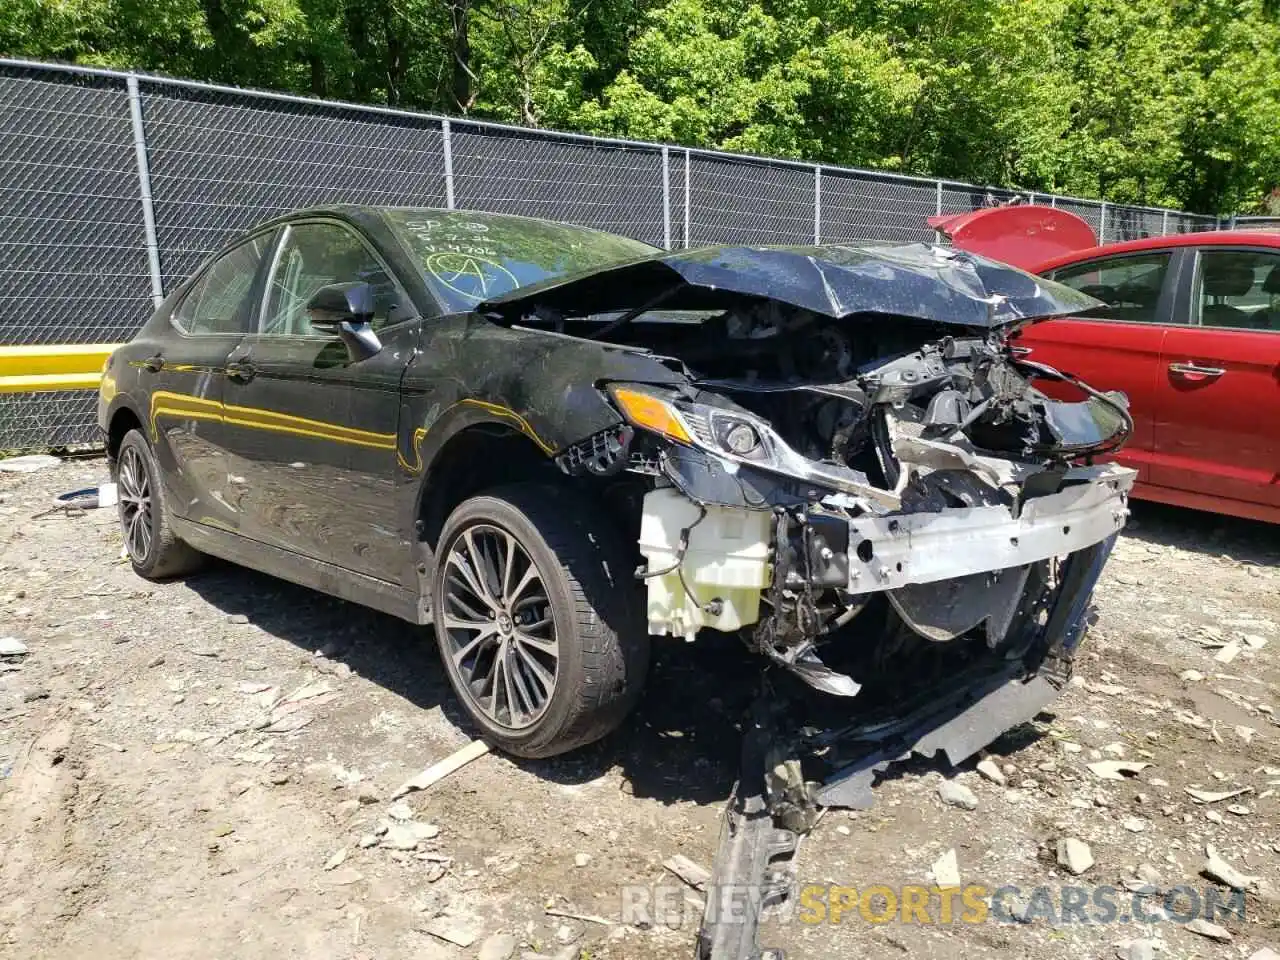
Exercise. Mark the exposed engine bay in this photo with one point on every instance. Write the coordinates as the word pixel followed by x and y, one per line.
pixel 854 473
pixel 852 496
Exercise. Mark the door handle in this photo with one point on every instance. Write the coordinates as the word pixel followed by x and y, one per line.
pixel 241 370
pixel 154 363
pixel 1191 370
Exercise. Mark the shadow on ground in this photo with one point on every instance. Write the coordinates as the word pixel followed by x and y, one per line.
pixel 1249 541
pixel 680 744
pixel 683 741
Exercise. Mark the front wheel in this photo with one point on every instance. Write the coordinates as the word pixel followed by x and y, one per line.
pixel 534 613
pixel 154 549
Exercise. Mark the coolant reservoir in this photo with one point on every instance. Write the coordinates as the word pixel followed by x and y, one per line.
pixel 725 567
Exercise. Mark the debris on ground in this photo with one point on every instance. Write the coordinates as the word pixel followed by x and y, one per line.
pixel 695 875
pixel 12 647
pixel 1210 930
pixel 1074 855
pixel 497 946
pixel 946 870
pixel 1215 868
pixel 451 931
pixel 955 794
pixel 1137 949
pixel 584 917
pixel 1215 796
pixel 438 771
pixel 408 835
pixel 28 463
pixel 308 691
pixel 116 833
pixel 1116 769
pixel 991 771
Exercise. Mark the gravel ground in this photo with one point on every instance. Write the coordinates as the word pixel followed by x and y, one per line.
pixel 204 769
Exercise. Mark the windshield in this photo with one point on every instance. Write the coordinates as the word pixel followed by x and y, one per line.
pixel 468 257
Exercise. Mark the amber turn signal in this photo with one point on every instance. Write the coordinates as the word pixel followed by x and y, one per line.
pixel 651 413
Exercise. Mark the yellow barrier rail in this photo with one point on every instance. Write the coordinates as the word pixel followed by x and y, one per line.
pixel 53 367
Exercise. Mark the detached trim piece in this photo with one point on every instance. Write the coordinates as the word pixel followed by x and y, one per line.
pixel 753 868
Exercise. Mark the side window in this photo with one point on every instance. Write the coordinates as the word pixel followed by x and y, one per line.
pixel 313 255
pixel 219 301
pixel 1129 286
pixel 1238 288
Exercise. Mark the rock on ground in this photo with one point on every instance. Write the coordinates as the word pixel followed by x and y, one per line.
pixel 1210 930
pixel 957 795
pixel 1074 855
pixel 498 946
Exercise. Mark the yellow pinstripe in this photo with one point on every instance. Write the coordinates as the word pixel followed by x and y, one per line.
pixel 186 407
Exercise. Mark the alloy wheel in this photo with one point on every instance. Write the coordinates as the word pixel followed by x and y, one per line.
pixel 134 490
pixel 498 626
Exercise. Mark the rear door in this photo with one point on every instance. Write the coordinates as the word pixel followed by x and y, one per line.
pixel 185 377
pixel 1119 349
pixel 1217 431
pixel 312 435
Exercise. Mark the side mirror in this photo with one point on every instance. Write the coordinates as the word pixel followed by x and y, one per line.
pixel 344 310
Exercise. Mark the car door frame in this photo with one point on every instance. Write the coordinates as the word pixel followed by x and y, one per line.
pixel 202 497
pixel 360 461
pixel 1185 304
pixel 1164 313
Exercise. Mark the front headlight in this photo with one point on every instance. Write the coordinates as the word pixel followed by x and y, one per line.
pixel 741 438
pixel 736 437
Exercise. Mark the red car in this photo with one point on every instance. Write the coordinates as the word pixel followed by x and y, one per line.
pixel 1192 336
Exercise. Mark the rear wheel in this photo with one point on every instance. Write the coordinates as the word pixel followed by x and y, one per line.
pixel 154 549
pixel 534 614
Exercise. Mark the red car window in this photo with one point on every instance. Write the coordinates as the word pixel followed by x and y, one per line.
pixel 1238 289
pixel 1129 285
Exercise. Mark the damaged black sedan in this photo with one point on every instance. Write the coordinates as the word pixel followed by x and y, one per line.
pixel 552 443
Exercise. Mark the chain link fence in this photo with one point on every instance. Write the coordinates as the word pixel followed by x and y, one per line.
pixel 114 187
pixel 1255 223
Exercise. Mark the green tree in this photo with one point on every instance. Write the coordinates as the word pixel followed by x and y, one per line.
pixel 1147 101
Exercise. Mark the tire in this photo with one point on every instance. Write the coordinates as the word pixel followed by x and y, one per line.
pixel 154 549
pixel 582 602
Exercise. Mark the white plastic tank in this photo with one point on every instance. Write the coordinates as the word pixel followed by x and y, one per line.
pixel 725 567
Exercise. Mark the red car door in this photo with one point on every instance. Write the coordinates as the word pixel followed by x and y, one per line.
pixel 1120 349
pixel 1217 426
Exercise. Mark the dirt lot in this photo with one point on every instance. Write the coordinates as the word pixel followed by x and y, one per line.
pixel 154 802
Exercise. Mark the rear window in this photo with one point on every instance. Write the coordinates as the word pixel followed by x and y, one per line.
pixel 468 258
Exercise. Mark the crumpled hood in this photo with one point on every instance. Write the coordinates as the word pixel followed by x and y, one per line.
pixel 932 283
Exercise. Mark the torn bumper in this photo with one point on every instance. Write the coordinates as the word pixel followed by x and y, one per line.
pixel 710 560
pixel 893 551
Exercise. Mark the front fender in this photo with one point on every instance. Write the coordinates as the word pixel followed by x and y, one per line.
pixel 471 370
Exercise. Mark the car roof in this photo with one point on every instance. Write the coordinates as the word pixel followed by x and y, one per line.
pixel 1207 238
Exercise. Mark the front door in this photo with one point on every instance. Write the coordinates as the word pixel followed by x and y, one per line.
pixel 1217 431
pixel 185 378
pixel 312 435
pixel 1119 349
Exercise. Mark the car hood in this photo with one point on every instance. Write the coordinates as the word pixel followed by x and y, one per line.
pixel 931 283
